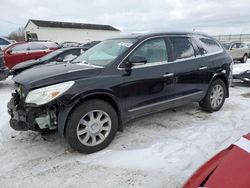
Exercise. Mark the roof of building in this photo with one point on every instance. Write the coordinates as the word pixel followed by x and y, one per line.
pixel 56 24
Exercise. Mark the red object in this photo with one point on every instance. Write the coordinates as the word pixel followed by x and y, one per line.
pixel 23 51
pixel 228 169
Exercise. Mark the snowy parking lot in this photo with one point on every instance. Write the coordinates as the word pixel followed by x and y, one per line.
pixel 160 150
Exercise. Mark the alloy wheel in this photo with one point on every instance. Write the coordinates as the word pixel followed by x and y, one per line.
pixel 93 128
pixel 216 97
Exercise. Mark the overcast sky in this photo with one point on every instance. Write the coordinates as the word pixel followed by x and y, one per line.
pixel 210 16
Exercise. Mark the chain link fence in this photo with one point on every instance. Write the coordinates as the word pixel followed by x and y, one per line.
pixel 233 37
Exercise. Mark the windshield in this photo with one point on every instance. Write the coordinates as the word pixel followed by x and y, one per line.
pixel 50 55
pixel 105 52
pixel 226 45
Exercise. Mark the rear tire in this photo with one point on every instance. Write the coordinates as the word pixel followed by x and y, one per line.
pixel 91 126
pixel 244 59
pixel 215 96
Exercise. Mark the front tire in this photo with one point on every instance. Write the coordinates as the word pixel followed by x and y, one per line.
pixel 91 126
pixel 215 96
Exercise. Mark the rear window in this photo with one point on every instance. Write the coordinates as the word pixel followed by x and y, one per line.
pixel 211 46
pixel 36 46
pixel 183 47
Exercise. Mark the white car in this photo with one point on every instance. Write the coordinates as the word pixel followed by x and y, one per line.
pixel 238 50
pixel 5 42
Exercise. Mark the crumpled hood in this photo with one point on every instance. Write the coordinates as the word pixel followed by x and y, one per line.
pixel 26 64
pixel 48 75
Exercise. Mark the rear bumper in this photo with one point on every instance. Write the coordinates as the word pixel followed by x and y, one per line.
pixel 4 73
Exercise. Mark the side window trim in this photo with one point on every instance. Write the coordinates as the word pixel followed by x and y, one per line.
pixel 170 52
pixel 165 38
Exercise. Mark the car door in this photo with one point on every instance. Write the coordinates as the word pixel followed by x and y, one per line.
pixel 211 61
pixel 188 74
pixel 36 50
pixel 236 51
pixel 15 54
pixel 150 87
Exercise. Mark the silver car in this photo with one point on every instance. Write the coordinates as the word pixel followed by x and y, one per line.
pixel 238 50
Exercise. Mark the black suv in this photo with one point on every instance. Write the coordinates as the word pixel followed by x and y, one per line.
pixel 4 71
pixel 118 80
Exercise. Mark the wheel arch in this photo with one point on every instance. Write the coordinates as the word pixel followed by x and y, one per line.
pixel 224 78
pixel 109 98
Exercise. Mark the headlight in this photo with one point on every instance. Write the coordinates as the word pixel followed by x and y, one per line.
pixel 46 94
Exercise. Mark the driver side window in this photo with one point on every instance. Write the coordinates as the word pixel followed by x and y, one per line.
pixel 154 51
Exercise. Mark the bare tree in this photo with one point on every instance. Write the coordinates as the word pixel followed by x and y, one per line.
pixel 17 35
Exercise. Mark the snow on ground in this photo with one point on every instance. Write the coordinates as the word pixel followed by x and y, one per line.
pixel 240 67
pixel 160 150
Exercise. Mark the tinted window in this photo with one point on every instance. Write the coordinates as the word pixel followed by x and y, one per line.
pixel 20 47
pixel 210 45
pixel 183 47
pixel 69 55
pixel 226 45
pixel 36 46
pixel 154 51
pixel 4 42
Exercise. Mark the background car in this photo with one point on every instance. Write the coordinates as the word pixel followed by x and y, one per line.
pixel 238 50
pixel 90 44
pixel 69 44
pixel 248 45
pixel 5 42
pixel 4 72
pixel 23 51
pixel 60 55
pixel 229 168
pixel 243 76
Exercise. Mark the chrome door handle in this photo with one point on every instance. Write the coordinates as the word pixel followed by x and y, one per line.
pixel 203 68
pixel 168 75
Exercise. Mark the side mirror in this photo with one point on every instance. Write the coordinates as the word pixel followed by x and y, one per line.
pixel 135 61
pixel 9 52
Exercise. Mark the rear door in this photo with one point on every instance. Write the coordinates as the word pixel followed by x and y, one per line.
pixel 212 60
pixel 189 78
pixel 37 50
pixel 15 54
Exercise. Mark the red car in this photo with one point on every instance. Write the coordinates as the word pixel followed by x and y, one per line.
pixel 228 169
pixel 24 51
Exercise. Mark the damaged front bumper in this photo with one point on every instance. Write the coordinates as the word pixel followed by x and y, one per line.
pixel 24 117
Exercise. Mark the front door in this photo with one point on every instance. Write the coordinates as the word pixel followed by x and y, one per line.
pixel 150 87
